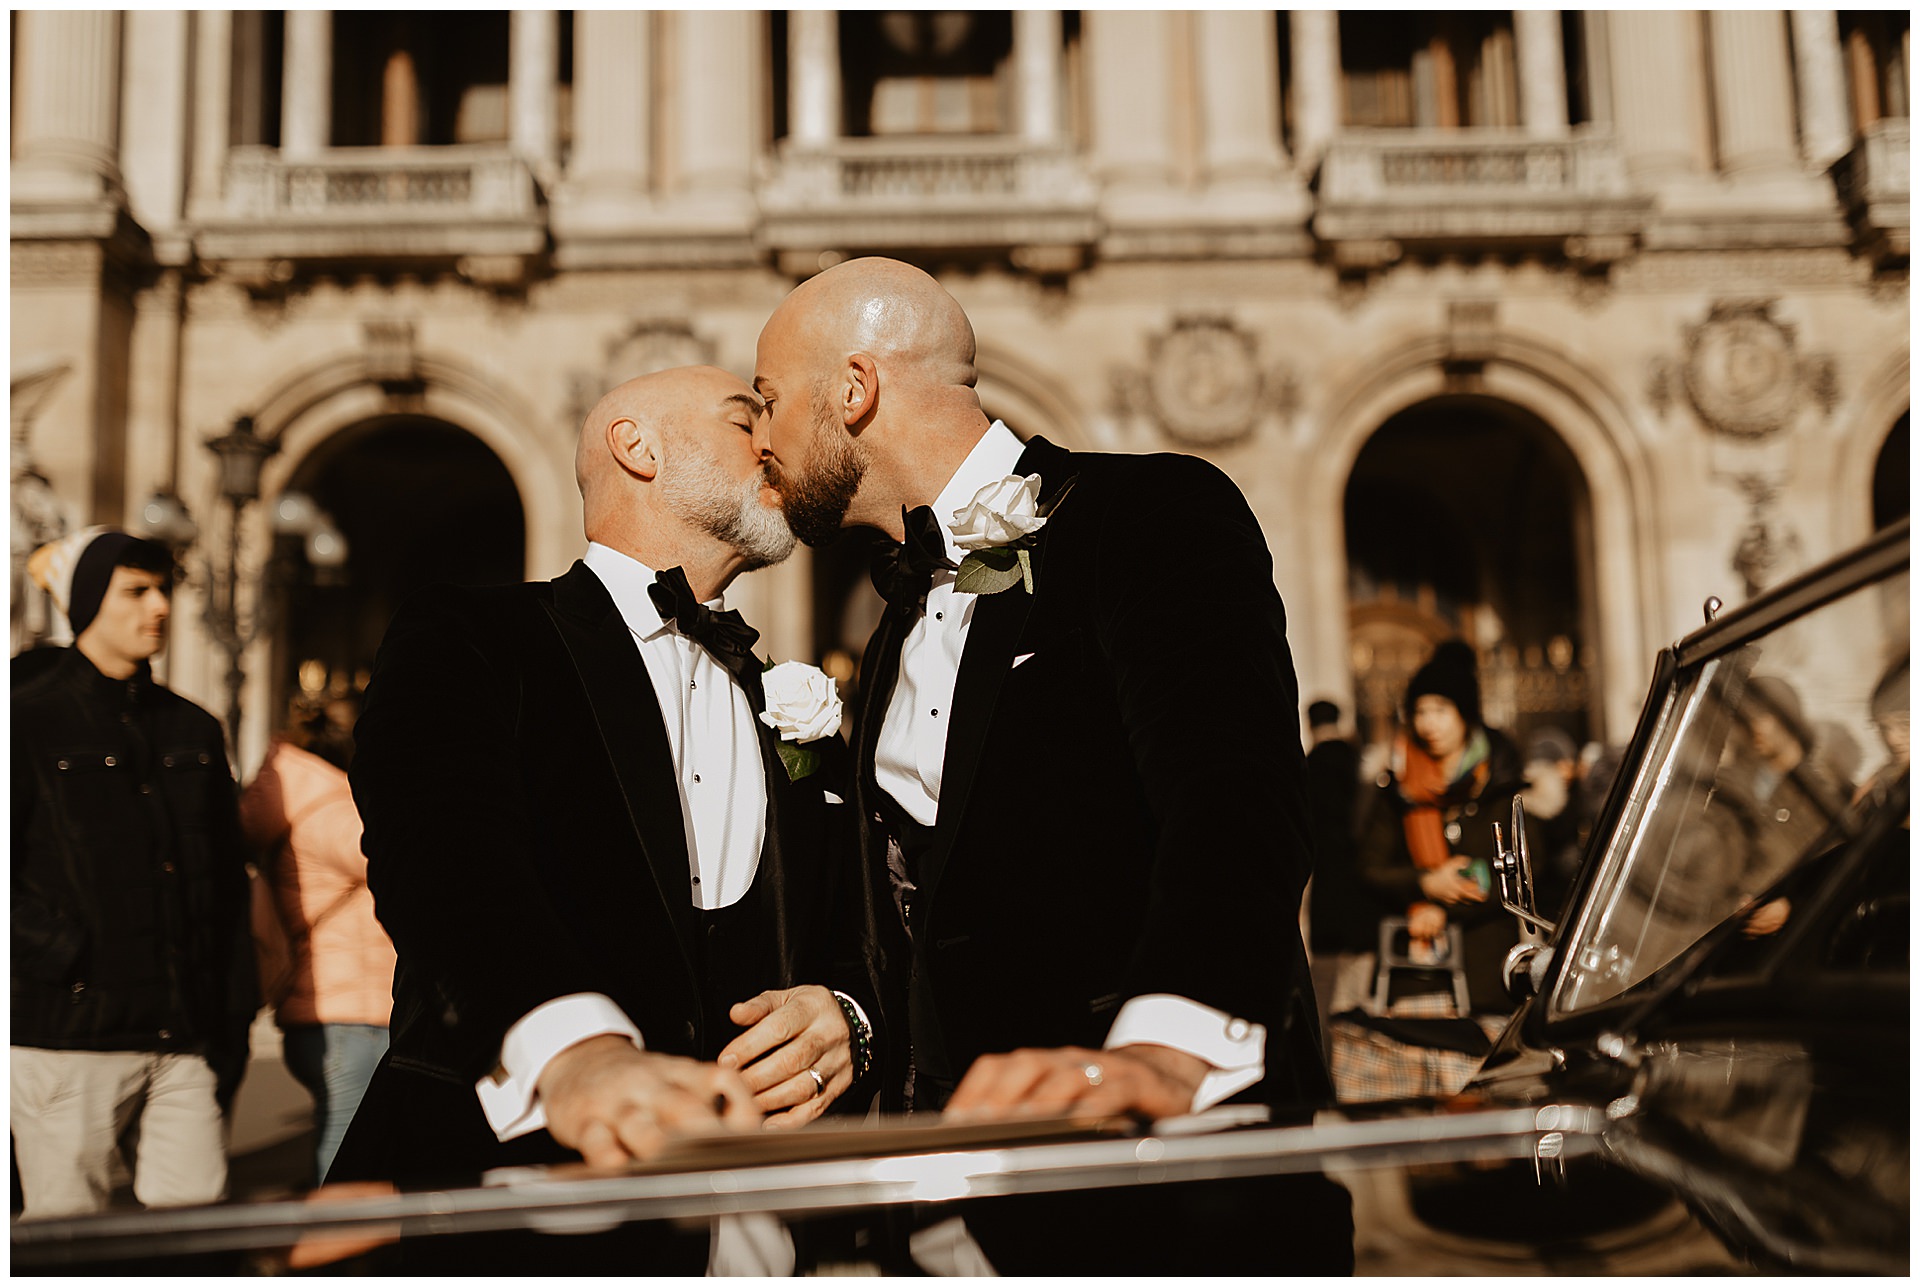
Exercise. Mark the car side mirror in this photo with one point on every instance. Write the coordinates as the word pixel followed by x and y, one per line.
pixel 1513 867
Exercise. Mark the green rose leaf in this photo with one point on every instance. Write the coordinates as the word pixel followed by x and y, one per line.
pixel 989 571
pixel 799 760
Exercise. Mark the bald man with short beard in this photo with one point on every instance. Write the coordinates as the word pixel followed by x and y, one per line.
pixel 1081 789
pixel 615 911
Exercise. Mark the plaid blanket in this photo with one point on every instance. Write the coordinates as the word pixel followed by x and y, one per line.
pixel 1369 1065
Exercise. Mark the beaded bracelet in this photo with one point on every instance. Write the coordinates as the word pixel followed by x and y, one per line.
pixel 860 1035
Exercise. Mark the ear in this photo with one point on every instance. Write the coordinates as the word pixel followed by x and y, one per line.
pixel 860 392
pixel 635 446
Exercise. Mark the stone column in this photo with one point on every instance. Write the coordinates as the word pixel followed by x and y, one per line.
pixel 1825 134
pixel 1036 56
pixel 66 104
pixel 1753 92
pixel 1128 77
pixel 212 106
pixel 1315 37
pixel 306 85
pixel 154 118
pixel 1237 52
pixel 714 133
pixel 1543 72
pixel 814 108
pixel 533 72
pixel 1653 107
pixel 612 100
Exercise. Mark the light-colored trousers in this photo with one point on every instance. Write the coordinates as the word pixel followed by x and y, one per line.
pixel 71 1107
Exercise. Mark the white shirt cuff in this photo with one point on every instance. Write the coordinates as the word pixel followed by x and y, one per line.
pixel 1236 1048
pixel 508 1096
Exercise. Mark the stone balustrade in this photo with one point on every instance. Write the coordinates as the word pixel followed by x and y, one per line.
pixel 925 191
pixel 1464 188
pixel 401 202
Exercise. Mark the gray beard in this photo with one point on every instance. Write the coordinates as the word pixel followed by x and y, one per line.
pixel 697 491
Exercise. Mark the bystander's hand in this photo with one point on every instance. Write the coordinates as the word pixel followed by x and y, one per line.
pixel 1768 918
pixel 1134 1080
pixel 1449 883
pixel 795 1056
pixel 616 1103
pixel 1425 921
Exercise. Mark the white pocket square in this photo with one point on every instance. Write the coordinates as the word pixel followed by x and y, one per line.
pixel 1025 656
pixel 831 798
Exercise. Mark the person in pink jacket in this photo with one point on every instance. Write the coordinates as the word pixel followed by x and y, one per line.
pixel 338 997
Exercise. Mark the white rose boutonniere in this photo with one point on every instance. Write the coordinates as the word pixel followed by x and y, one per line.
pixel 998 529
pixel 802 706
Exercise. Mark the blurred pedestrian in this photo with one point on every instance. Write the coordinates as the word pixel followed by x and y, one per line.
pixel 1891 710
pixel 336 997
pixel 1551 796
pixel 133 974
pixel 1792 796
pixel 1427 844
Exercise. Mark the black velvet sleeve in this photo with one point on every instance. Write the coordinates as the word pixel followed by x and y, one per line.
pixel 451 848
pixel 1194 633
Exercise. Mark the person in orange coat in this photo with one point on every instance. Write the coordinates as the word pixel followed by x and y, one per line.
pixel 338 992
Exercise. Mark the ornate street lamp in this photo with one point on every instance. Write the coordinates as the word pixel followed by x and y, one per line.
pixel 242 453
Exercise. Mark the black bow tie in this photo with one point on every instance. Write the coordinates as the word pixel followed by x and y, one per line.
pixel 724 634
pixel 902 573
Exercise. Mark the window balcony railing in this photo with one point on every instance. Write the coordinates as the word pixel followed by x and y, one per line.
pixel 879 193
pixel 360 203
pixel 1478 188
pixel 1872 181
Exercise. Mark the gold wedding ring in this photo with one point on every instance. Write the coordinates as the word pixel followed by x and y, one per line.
pixel 819 1083
pixel 1094 1075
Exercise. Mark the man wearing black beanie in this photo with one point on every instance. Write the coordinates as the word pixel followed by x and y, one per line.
pixel 133 979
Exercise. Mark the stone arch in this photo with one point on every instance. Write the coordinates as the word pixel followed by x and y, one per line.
pixel 1886 397
pixel 1030 400
pixel 1588 416
pixel 315 405
pixel 309 408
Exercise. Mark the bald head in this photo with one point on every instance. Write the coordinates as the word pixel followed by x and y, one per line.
pixel 661 402
pixel 889 309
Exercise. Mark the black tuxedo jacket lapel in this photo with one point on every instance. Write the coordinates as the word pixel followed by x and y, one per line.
pixel 998 620
pixel 627 712
pixel 783 808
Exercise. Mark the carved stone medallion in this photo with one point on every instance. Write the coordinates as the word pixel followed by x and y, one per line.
pixel 1742 372
pixel 1203 382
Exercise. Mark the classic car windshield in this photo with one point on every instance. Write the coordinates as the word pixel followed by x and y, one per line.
pixel 1763 757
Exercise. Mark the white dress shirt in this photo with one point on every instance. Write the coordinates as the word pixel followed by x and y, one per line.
pixel 910 757
pixel 714 736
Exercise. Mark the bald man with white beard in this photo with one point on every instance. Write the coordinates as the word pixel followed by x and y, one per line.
pixel 617 916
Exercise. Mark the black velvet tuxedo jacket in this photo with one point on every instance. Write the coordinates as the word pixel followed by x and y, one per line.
pixel 1124 810
pixel 525 841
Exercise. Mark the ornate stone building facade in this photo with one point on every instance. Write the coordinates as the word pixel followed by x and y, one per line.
pixel 1533 326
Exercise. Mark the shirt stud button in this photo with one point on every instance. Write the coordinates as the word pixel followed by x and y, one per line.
pixel 936 714
pixel 696 880
pixel 939 616
pixel 696 777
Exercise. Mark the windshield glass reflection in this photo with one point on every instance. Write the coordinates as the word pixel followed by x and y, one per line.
pixel 1763 758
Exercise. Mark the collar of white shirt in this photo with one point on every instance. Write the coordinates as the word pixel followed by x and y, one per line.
pixel 627 579
pixel 991 459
